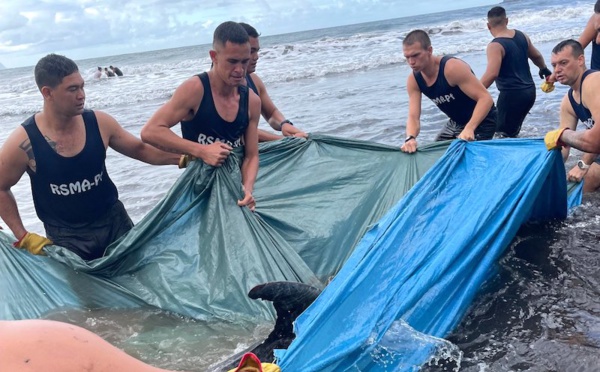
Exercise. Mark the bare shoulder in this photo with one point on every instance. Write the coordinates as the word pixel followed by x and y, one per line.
pixel 109 127
pixel 594 78
pixel 193 82
pixel 590 86
pixel 105 121
pixel 15 153
pixel 18 139
pixel 494 48
pixel 189 92
pixel 411 82
pixel 457 64
pixel 260 85
pixel 457 70
pixel 254 100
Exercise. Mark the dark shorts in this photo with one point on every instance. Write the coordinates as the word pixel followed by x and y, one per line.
pixel 513 107
pixel 484 131
pixel 90 241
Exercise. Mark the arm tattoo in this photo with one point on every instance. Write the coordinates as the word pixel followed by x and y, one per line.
pixel 26 146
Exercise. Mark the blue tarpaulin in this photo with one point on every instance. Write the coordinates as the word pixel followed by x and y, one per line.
pixel 424 261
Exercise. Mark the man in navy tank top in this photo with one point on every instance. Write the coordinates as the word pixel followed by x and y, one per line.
pixel 581 103
pixel 508 65
pixel 63 150
pixel 268 109
pixel 452 86
pixel 216 110
pixel 591 34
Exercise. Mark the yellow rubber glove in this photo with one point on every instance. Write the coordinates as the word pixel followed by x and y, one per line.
pixel 184 160
pixel 547 87
pixel 251 363
pixel 270 367
pixel 552 138
pixel 33 243
pixel 266 367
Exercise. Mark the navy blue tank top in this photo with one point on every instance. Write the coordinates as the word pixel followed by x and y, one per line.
pixel 251 84
pixel 451 100
pixel 595 63
pixel 70 191
pixel 207 126
pixel 582 113
pixel 514 71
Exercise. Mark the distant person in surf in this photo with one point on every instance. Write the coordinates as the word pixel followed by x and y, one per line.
pixel 116 70
pixel 580 104
pixel 108 72
pixel 63 150
pixel 591 34
pixel 268 109
pixel 98 73
pixel 450 83
pixel 216 110
pixel 508 58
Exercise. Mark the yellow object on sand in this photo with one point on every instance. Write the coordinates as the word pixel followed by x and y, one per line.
pixel 547 87
pixel 33 243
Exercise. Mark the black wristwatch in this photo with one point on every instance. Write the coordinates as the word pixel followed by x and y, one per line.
pixel 582 165
pixel 286 121
pixel 409 138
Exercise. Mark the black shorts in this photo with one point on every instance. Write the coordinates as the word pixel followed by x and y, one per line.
pixel 513 107
pixel 90 241
pixel 485 130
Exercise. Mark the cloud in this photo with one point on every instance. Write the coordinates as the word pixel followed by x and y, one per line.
pixel 93 28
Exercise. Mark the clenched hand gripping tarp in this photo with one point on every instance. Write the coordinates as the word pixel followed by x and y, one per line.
pixel 423 262
pixel 197 253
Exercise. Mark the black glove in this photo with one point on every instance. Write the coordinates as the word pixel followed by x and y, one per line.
pixel 544 73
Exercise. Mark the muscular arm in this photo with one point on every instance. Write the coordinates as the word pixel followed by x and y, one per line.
pixel 495 53
pixel 264 136
pixel 182 106
pixel 129 145
pixel 413 122
pixel 271 113
pixel 458 73
pixel 568 119
pixel 588 34
pixel 250 163
pixel 13 163
pixel 587 140
pixel 534 54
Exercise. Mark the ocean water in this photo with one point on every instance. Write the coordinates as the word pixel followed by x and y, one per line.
pixel 540 313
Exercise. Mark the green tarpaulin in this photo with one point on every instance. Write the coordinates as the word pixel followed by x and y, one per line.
pixel 197 253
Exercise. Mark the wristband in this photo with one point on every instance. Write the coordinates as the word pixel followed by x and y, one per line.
pixel 410 138
pixel 18 242
pixel 286 121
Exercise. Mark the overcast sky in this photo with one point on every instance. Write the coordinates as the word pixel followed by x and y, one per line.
pixel 29 29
